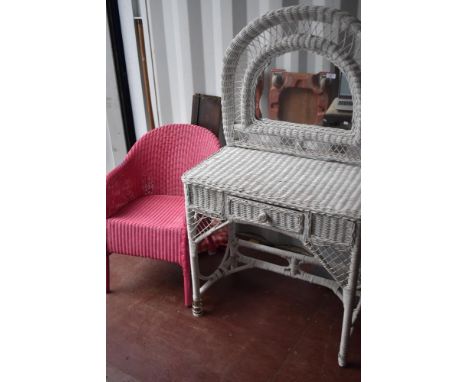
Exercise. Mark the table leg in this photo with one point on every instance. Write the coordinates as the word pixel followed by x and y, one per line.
pixel 197 307
pixel 349 298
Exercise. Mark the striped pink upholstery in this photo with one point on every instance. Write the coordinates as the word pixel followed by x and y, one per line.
pixel 145 213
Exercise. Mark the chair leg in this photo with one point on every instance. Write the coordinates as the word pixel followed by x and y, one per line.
pixel 107 273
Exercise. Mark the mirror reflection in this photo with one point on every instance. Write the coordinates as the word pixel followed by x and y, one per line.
pixel 301 87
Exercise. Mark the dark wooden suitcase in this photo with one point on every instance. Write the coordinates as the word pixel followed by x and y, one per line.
pixel 206 112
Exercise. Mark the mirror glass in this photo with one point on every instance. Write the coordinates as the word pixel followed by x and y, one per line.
pixel 302 87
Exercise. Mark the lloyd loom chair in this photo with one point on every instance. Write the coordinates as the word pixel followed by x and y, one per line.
pixel 145 213
pixel 300 180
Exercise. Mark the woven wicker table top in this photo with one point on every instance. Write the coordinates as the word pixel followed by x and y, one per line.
pixel 285 180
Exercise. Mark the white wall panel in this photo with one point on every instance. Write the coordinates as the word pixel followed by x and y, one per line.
pixel 209 51
pixel 143 12
pixel 159 52
pixel 253 10
pixel 133 66
pixel 222 34
pixel 179 58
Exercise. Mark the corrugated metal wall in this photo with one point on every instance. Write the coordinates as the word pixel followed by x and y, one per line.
pixel 188 40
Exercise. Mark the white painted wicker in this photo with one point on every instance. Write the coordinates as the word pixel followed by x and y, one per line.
pixel 327 32
pixel 301 181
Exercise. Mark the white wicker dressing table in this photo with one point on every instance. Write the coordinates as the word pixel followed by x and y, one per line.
pixel 299 180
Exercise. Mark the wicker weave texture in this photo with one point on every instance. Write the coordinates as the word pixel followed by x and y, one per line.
pixel 294 193
pixel 263 214
pixel 304 184
pixel 145 209
pixel 330 33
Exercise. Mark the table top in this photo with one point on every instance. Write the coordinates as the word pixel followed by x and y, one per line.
pixel 301 183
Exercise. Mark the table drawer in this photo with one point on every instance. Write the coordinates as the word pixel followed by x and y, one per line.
pixel 265 214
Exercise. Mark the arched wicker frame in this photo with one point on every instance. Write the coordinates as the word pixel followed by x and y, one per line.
pixel 331 33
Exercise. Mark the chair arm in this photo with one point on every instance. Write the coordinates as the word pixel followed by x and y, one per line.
pixel 122 186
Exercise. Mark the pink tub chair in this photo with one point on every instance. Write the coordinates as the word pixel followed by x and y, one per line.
pixel 145 214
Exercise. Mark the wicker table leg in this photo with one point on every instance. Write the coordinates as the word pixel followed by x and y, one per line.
pixel 197 307
pixel 349 297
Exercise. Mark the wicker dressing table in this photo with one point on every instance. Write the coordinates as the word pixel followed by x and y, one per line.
pixel 299 180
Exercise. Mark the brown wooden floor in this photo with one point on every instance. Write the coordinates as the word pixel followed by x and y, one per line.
pixel 258 326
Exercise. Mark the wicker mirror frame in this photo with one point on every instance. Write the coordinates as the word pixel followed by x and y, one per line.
pixel 243 65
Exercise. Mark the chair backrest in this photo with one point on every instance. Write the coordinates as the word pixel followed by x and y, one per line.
pixel 162 155
pixel 330 33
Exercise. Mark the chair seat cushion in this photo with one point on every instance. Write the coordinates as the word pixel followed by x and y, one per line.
pixel 152 226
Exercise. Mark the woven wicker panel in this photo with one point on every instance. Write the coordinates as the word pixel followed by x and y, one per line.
pixel 326 228
pixel 335 259
pixel 248 211
pixel 330 33
pixel 329 188
pixel 208 200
